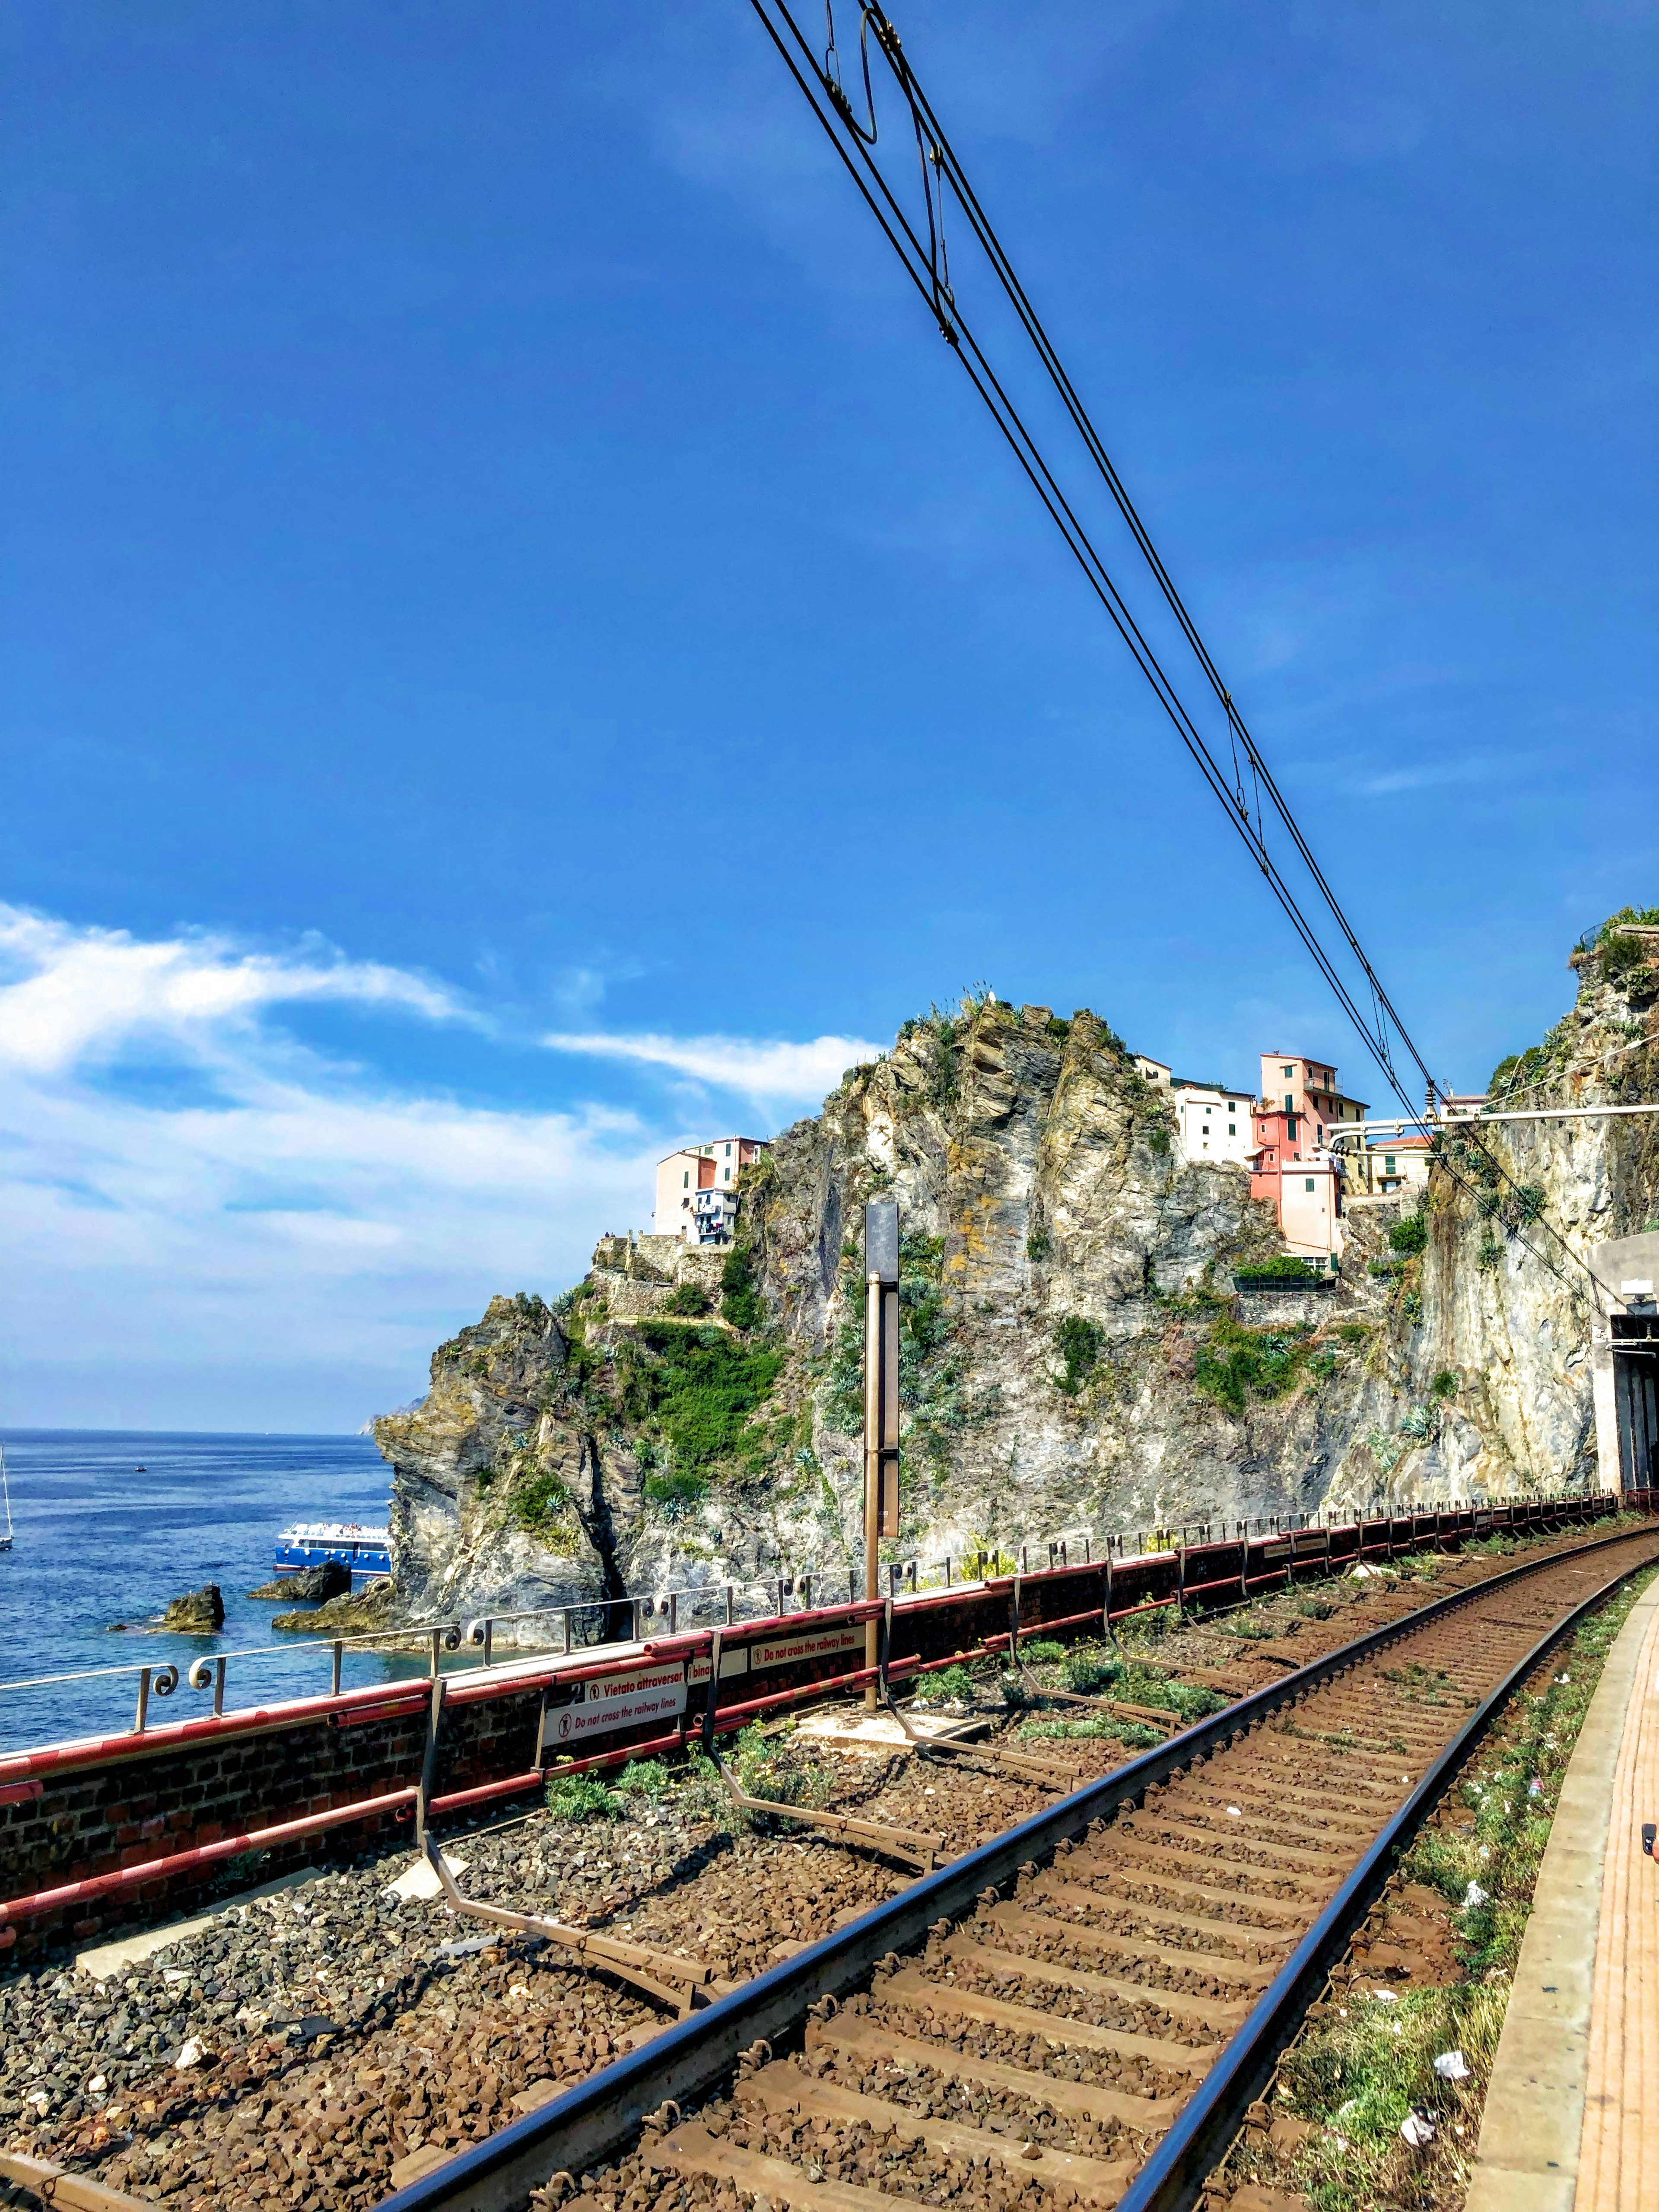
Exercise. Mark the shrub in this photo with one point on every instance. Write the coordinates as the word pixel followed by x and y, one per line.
pixel 1078 1341
pixel 1091 1670
pixel 580 1797
pixel 689 1298
pixel 950 1682
pixel 1410 1236
pixel 644 1777
pixel 1236 1361
pixel 764 1770
pixel 699 1386
pixel 1045 1653
pixel 740 1302
pixel 1283 1267
pixel 1491 1253
pixel 1141 1685
pixel 1039 1244
pixel 675 1491
pixel 540 1502
pixel 1446 1383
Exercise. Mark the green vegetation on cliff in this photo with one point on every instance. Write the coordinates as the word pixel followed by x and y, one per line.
pixel 697 1388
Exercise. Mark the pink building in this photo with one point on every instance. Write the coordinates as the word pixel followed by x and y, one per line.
pixel 1292 1164
pixel 698 1188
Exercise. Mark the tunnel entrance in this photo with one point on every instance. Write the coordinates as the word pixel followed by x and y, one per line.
pixel 1635 1398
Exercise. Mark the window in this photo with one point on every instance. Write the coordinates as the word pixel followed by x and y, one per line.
pixel 728 1151
pixel 1232 1128
pixel 1388 1164
pixel 1310 1183
pixel 685 1180
pixel 1287 1071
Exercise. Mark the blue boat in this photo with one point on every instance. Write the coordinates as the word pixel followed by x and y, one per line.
pixel 367 1551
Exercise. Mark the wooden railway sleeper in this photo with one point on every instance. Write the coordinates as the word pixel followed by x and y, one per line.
pixel 1022 1920
pixel 1305 1858
pixel 1255 1942
pixel 57 2184
pixel 971 1947
pixel 913 1990
pixel 683 1984
pixel 868 2039
pixel 784 2089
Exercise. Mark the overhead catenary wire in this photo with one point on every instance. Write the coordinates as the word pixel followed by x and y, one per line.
pixel 923 266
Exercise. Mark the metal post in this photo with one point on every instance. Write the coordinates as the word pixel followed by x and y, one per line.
pixel 429 1759
pixel 1106 1598
pixel 339 1654
pixel 437 1663
pixel 881 1408
pixel 806 1593
pixel 218 1687
pixel 566 1631
pixel 142 1715
pixel 731 1603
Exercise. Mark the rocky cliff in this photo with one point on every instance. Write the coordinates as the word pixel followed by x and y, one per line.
pixel 1073 1353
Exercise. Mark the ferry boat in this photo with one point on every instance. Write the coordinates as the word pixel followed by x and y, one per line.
pixel 367 1551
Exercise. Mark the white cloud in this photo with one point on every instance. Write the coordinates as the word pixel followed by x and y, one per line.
pixel 73 994
pixel 795 1073
pixel 284 1248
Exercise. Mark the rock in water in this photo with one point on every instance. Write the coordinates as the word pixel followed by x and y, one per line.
pixel 330 1578
pixel 349 1614
pixel 199 1612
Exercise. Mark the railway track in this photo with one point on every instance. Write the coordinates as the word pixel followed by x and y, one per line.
pixel 1080 2011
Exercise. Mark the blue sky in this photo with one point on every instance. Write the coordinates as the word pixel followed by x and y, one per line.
pixel 494 551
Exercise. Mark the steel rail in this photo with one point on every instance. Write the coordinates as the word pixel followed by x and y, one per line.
pixel 595 2119
pixel 1173 2177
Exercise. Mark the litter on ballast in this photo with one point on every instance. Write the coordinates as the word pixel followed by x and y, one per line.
pixel 1474 1895
pixel 1417 2127
pixel 1452 2066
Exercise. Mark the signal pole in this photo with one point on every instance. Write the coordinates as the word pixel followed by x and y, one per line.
pixel 881 1407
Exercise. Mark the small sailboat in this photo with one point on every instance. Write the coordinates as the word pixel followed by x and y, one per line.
pixel 5 1502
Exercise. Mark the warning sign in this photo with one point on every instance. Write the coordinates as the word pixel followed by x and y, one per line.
pixel 618 1701
pixel 788 1651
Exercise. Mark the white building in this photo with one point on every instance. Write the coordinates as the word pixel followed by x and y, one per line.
pixel 1153 1070
pixel 1214 1122
pixel 698 1188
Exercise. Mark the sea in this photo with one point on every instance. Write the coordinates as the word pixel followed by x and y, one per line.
pixel 110 1524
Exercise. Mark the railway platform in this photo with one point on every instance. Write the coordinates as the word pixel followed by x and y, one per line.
pixel 1571 2121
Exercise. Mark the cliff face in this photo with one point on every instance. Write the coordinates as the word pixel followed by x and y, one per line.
pixel 1501 1316
pixel 1072 1351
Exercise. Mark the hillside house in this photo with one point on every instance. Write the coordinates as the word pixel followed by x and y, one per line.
pixel 1215 1123
pixel 698 1188
pixel 1293 1164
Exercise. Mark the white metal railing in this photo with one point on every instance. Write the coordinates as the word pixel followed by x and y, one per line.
pixel 591 1624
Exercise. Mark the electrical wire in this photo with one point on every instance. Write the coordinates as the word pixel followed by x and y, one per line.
pixel 923 265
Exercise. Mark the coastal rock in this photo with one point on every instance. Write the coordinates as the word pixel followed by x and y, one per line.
pixel 329 1578
pixel 351 1613
pixel 199 1612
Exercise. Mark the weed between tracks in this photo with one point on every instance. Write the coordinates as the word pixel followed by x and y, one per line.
pixel 1358 2073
